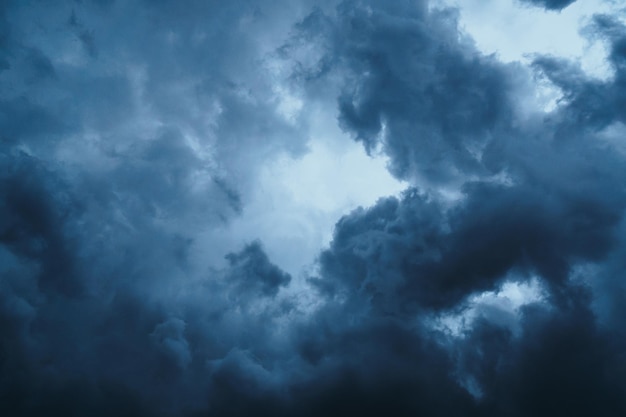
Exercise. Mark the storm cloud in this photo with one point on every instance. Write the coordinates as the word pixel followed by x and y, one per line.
pixel 134 134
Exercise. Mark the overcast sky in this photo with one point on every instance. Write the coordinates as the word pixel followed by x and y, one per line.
pixel 312 208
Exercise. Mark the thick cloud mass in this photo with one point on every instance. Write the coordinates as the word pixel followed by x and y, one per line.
pixel 128 130
pixel 414 86
pixel 253 271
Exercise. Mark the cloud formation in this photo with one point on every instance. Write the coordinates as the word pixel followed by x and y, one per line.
pixel 130 129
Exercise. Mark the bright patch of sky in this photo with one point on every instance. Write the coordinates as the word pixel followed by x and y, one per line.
pixel 501 307
pixel 298 200
pixel 516 31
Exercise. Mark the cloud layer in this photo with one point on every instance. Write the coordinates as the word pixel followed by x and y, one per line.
pixel 131 130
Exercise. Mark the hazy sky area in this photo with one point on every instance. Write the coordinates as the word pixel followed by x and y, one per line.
pixel 313 208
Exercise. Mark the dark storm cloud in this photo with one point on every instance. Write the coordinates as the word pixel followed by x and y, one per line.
pixel 123 129
pixel 550 4
pixel 408 254
pixel 543 372
pixel 559 208
pixel 252 270
pixel 77 326
pixel 130 128
pixel 546 199
pixel 415 86
pixel 34 208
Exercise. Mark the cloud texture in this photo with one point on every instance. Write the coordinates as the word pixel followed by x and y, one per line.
pixel 130 130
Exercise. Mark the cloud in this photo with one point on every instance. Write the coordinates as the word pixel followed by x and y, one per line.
pixel 541 373
pixel 411 254
pixel 119 147
pixel 530 205
pixel 131 130
pixel 416 87
pixel 251 270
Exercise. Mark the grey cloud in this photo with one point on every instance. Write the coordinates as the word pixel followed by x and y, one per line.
pixel 120 148
pixel 540 373
pixel 124 127
pixel 170 337
pixel 557 212
pixel 34 209
pixel 416 86
pixel 406 255
pixel 251 270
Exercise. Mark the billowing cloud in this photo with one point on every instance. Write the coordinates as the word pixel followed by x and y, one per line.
pixel 252 270
pixel 415 86
pixel 132 134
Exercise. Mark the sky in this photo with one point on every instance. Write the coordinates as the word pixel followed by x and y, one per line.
pixel 312 208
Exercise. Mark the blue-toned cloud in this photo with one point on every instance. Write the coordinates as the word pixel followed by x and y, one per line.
pixel 413 86
pixel 251 270
pixel 131 131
